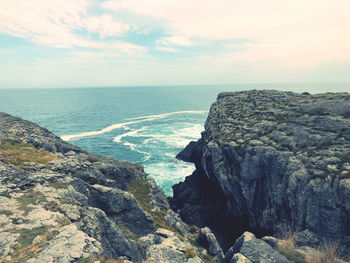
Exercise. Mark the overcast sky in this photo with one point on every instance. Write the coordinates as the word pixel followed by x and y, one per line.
pixel 68 43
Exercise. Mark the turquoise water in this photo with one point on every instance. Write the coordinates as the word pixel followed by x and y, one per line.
pixel 147 125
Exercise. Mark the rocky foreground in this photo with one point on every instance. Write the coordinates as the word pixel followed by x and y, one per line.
pixel 275 164
pixel 271 163
pixel 58 203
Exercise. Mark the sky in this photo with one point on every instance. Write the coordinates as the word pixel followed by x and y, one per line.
pixel 80 43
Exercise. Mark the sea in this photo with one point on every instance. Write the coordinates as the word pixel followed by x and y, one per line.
pixel 146 125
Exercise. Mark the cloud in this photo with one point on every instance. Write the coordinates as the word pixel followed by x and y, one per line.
pixel 105 26
pixel 175 40
pixel 167 49
pixel 113 5
pixel 56 23
pixel 292 32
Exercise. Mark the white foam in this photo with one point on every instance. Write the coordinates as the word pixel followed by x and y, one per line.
pixel 131 134
pixel 121 125
pixel 168 114
pixel 172 172
pixel 178 138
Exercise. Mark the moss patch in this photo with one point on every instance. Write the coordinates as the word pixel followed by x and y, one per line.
pixel 26 248
pixel 127 232
pixel 29 198
pixel 6 212
pixel 5 194
pixel 18 153
pixel 139 188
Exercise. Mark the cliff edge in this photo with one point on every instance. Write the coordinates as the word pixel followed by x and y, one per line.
pixel 268 161
pixel 59 203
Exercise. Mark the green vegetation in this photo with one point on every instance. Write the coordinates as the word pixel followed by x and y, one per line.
pixel 18 153
pixel 5 194
pixel 28 198
pixel 127 232
pixel 63 221
pixel 27 235
pixel 25 248
pixel 139 188
pixel 59 185
pixel 6 212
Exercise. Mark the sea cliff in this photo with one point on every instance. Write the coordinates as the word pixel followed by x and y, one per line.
pixel 272 184
pixel 270 162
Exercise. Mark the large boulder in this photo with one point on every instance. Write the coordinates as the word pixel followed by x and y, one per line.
pixel 248 248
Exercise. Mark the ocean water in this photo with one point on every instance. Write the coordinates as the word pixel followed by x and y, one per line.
pixel 147 125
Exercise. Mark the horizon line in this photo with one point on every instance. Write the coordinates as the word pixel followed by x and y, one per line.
pixel 180 85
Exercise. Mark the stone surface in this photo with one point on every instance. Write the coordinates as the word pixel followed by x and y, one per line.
pixel 270 158
pixel 166 247
pixel 60 203
pixel 208 240
pixel 248 248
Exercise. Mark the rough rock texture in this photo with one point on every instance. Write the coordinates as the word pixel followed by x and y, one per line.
pixel 208 240
pixel 58 203
pixel 166 247
pixel 248 249
pixel 268 160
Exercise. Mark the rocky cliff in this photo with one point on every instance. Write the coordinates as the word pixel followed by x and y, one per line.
pixel 267 161
pixel 58 203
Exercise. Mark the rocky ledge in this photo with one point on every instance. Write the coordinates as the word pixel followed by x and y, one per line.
pixel 270 162
pixel 59 203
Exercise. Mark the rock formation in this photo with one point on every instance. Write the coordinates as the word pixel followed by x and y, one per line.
pixel 267 161
pixel 58 203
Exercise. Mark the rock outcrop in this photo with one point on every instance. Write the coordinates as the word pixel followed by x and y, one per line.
pixel 59 203
pixel 270 160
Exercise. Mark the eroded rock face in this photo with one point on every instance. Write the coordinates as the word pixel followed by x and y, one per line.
pixel 58 203
pixel 269 159
pixel 248 248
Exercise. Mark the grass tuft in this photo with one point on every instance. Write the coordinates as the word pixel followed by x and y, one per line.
pixel 287 248
pixel 29 198
pixel 18 153
pixel 329 253
pixel 139 188
pixel 190 253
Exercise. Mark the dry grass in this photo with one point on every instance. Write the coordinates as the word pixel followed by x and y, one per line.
pixel 287 248
pixel 18 154
pixel 26 248
pixel 329 253
pixel 190 253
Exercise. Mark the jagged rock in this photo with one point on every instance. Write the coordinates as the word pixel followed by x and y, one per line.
pixel 306 238
pixel 251 249
pixel 122 207
pixel 272 241
pixel 60 204
pixel 270 158
pixel 208 240
pixel 68 246
pixel 239 258
pixel 165 246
